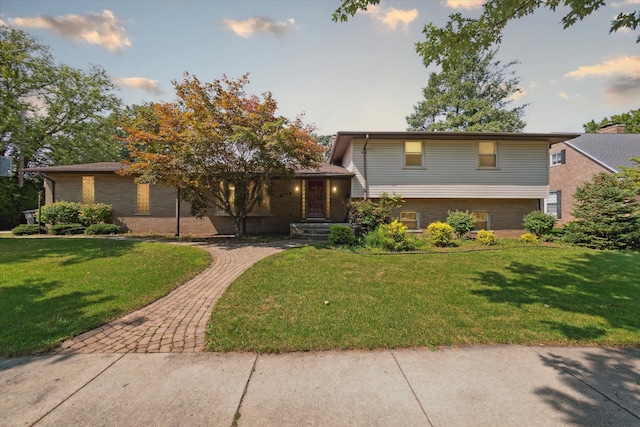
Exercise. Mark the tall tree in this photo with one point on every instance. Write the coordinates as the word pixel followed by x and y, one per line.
pixel 325 142
pixel 50 113
pixel 461 34
pixel 631 119
pixel 473 96
pixel 219 146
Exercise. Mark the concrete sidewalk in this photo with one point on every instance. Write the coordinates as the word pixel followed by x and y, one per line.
pixel 471 386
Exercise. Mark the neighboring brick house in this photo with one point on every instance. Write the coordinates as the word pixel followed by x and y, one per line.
pixel 313 195
pixel 574 162
pixel 500 177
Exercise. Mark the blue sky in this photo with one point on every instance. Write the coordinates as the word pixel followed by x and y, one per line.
pixel 363 75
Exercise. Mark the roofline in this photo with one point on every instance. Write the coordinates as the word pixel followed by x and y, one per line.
pixel 342 139
pixel 589 156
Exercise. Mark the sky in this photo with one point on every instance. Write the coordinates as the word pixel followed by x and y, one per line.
pixel 363 75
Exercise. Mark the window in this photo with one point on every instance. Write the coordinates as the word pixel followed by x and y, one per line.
pixel 263 206
pixel 554 205
pixel 413 153
pixel 410 219
pixel 142 200
pixel 88 189
pixel 482 220
pixel 487 154
pixel 558 158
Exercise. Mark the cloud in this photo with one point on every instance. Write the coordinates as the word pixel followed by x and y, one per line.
pixel 465 4
pixel 518 95
pixel 2 23
pixel 624 71
pixel 391 17
pixel 625 3
pixel 141 83
pixel 103 29
pixel 562 95
pixel 249 27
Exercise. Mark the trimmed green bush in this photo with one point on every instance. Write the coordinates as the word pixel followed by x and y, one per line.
pixel 26 229
pixel 103 229
pixel 67 229
pixel 486 237
pixel 461 222
pixel 529 238
pixel 341 235
pixel 95 213
pixel 61 213
pixel 395 238
pixel 539 223
pixel 440 233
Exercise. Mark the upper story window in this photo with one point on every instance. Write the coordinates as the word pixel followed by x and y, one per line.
pixel 88 189
pixel 413 155
pixel 487 154
pixel 558 158
pixel 142 200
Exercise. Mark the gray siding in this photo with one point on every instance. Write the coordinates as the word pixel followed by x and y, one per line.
pixel 451 170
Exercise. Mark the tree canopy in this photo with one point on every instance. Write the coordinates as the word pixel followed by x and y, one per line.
pixel 473 96
pixel 53 113
pixel 219 146
pixel 631 119
pixel 461 34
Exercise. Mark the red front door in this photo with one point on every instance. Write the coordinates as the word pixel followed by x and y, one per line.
pixel 316 199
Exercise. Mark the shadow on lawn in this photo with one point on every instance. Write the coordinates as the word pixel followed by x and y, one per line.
pixel 603 382
pixel 71 251
pixel 34 319
pixel 603 284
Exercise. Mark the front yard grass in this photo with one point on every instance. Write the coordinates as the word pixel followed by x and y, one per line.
pixel 318 299
pixel 54 289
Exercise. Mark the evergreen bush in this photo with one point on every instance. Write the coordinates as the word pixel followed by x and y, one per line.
pixel 61 213
pixel 486 237
pixel 67 229
pixel 94 213
pixel 461 222
pixel 341 235
pixel 440 233
pixel 366 215
pixel 539 223
pixel 529 238
pixel 102 228
pixel 26 229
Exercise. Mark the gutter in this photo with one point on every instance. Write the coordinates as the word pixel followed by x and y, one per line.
pixel 364 172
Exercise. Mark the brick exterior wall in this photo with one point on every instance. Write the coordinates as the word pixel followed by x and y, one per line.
pixel 567 177
pixel 121 193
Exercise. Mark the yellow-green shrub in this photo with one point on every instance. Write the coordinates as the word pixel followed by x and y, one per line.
pixel 529 238
pixel 486 237
pixel 440 233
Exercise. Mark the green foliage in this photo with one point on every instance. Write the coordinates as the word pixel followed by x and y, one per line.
pixel 391 237
pixel 486 237
pixel 539 223
pixel 631 119
pixel 529 238
pixel 102 228
pixel 632 173
pixel 367 215
pixel 607 214
pixel 341 235
pixel 472 96
pixel 61 213
pixel 95 213
pixel 461 222
pixel 440 233
pixel 14 200
pixel 67 229
pixel 26 229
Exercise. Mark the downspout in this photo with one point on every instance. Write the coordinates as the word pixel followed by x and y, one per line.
pixel 364 172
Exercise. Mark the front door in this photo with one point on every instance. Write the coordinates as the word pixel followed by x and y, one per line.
pixel 315 205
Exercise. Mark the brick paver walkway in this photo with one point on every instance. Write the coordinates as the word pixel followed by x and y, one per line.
pixel 176 322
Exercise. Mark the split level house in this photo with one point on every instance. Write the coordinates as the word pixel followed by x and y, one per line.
pixel 499 177
pixel 576 161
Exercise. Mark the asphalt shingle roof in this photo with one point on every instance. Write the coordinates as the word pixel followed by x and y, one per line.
pixel 610 150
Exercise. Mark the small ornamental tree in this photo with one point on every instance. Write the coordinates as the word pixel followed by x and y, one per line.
pixel 607 214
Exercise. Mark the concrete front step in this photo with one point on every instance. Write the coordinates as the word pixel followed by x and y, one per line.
pixel 312 230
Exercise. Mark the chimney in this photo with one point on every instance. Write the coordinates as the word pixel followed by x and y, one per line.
pixel 613 128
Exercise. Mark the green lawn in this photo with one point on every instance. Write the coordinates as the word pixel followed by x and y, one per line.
pixel 526 294
pixel 53 289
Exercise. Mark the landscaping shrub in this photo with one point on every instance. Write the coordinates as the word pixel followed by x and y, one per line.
pixel 395 238
pixel 461 222
pixel 103 229
pixel 539 223
pixel 341 235
pixel 529 238
pixel 61 213
pixel 95 213
pixel 486 237
pixel 440 233
pixel 366 215
pixel 67 229
pixel 26 229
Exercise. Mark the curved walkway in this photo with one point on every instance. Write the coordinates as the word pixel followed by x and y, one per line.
pixel 176 322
